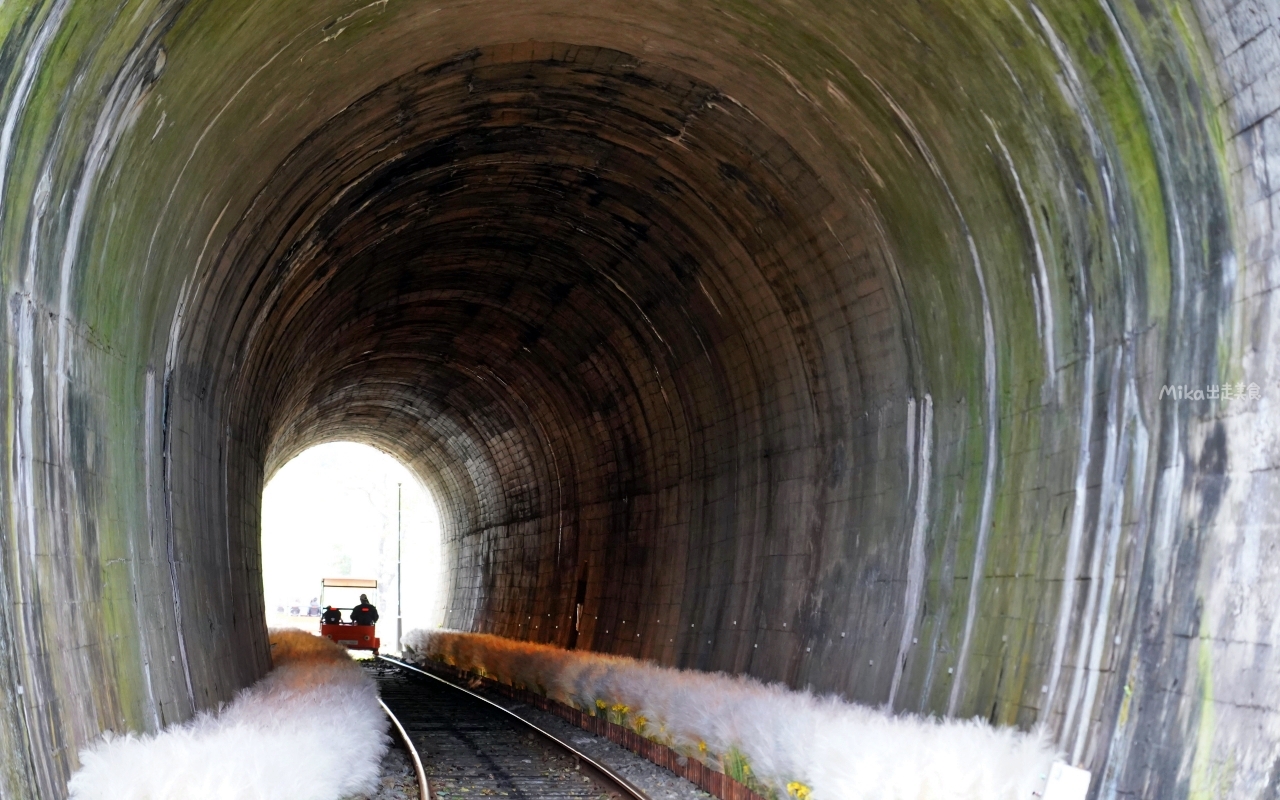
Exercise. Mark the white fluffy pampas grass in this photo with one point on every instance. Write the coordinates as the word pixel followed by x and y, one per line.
pixel 311 729
pixel 782 742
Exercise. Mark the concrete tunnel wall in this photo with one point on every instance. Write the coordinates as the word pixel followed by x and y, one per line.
pixel 821 342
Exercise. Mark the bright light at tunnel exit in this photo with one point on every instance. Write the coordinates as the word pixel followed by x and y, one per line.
pixel 332 512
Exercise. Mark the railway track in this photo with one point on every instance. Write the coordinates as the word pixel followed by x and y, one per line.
pixel 424 788
pixel 472 747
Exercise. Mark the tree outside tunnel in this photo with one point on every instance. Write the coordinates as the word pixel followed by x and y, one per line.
pixel 345 509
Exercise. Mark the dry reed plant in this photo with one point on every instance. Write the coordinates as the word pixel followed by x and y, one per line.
pixel 779 741
pixel 311 729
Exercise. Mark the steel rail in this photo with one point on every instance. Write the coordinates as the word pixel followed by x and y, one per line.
pixel 595 768
pixel 424 789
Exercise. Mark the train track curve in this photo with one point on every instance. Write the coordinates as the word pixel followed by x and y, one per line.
pixel 424 788
pixel 472 746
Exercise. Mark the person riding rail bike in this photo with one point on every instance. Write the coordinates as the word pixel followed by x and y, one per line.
pixel 366 613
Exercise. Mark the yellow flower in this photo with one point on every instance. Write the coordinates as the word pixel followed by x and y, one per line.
pixel 620 708
pixel 798 790
pixel 602 705
pixel 702 747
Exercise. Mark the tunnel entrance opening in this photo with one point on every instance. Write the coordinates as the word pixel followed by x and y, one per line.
pixel 348 510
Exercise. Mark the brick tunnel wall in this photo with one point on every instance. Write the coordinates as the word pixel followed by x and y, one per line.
pixel 822 343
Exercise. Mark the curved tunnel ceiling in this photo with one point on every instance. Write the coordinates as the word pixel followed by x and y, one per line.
pixel 824 343
pixel 571 306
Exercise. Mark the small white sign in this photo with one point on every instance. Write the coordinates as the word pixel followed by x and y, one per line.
pixel 1066 782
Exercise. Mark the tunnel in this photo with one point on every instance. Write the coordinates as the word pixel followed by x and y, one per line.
pixel 917 353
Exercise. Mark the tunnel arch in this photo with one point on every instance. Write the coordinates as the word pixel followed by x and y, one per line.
pixel 830 345
pixel 633 311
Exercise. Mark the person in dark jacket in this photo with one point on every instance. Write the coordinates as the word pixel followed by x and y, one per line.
pixel 366 613
pixel 331 616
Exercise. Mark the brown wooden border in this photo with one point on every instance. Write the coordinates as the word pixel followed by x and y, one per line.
pixel 710 780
